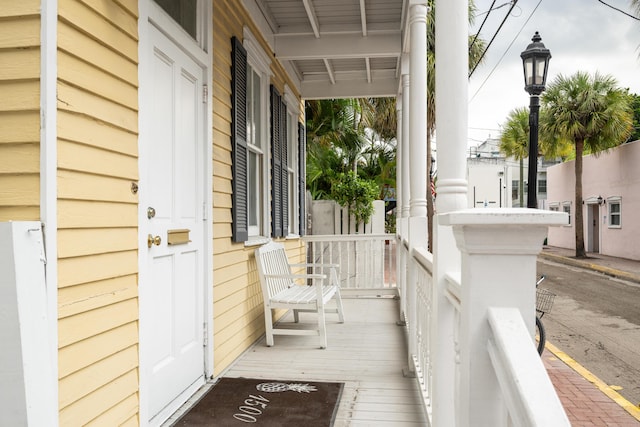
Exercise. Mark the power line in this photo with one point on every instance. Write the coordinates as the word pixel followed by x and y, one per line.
pixel 513 4
pixel 620 10
pixel 506 50
pixel 486 16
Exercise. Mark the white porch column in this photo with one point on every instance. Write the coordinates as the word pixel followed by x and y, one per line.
pixel 490 240
pixel 417 232
pixel 451 123
pixel 406 182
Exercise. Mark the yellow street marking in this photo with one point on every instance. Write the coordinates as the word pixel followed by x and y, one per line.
pixel 607 390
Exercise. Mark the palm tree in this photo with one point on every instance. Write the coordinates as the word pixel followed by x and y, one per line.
pixel 514 141
pixel 589 112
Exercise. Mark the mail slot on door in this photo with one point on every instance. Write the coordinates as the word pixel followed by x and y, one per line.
pixel 178 237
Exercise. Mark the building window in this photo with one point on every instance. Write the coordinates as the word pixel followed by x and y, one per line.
pixel 184 12
pixel 555 207
pixel 255 152
pixel 515 185
pixel 542 186
pixel 615 212
pixel 250 71
pixel 293 111
pixel 566 207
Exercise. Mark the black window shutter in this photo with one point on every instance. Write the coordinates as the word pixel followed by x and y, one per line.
pixel 276 164
pixel 240 229
pixel 302 176
pixel 284 148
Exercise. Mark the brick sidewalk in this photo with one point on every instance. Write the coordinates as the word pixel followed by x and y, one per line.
pixel 584 402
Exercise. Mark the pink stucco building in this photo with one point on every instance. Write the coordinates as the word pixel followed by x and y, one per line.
pixel 611 193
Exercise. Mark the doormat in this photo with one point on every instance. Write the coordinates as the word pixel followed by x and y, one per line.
pixel 274 403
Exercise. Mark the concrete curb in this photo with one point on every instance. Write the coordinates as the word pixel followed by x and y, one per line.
pixel 633 410
pixel 591 266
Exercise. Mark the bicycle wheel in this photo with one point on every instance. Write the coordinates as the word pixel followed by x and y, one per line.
pixel 541 336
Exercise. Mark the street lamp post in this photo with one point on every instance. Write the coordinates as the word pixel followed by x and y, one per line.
pixel 535 61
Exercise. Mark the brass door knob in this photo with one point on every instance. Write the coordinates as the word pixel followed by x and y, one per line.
pixel 153 240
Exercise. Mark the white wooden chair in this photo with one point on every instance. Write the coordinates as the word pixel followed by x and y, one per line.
pixel 280 290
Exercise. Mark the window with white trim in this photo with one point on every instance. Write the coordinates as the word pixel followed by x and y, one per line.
pixel 555 207
pixel 615 212
pixel 255 152
pixel 293 111
pixel 566 208
pixel 250 73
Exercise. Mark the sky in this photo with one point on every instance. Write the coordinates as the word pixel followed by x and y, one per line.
pixel 582 35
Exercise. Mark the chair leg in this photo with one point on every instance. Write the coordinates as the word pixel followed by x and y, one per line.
pixel 322 329
pixel 296 316
pixel 338 298
pixel 268 326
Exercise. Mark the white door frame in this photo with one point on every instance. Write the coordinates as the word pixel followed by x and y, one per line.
pixel 151 14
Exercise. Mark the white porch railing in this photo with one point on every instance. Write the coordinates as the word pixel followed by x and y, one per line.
pixel 367 261
pixel 489 372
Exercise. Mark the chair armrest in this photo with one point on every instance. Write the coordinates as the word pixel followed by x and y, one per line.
pixel 295 276
pixel 327 265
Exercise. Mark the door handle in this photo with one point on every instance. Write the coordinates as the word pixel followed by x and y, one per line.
pixel 151 240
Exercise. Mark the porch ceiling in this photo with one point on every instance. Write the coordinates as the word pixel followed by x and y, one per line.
pixel 339 48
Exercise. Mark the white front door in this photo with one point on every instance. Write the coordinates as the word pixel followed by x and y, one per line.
pixel 174 203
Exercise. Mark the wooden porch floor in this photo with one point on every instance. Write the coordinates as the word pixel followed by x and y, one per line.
pixel 367 353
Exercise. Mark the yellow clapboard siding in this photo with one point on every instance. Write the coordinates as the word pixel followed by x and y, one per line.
pixel 82 186
pixel 221 147
pixel 117 15
pixel 221 215
pixel 74 300
pixel 221 123
pixel 20 8
pixel 79 73
pixel 91 241
pixel 19 158
pixel 222 200
pixel 230 272
pixel 95 348
pixel 129 5
pixel 131 422
pixel 19 64
pixel 19 126
pixel 92 24
pixel 96 161
pixel 223 290
pixel 222 230
pixel 221 185
pixel 20 32
pixel 19 213
pixel 227 352
pixel 245 301
pixel 227 258
pixel 79 101
pixel 75 271
pixel 222 170
pixel 78 128
pixel 85 325
pixel 87 214
pixel 87 408
pixel 20 95
pixel 122 414
pixel 20 190
pixel 87 380
pixel 242 331
pixel 223 245
pixel 73 41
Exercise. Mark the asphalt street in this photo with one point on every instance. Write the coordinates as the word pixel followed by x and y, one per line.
pixel 596 320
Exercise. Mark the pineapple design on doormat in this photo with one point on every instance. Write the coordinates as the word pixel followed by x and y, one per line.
pixel 280 387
